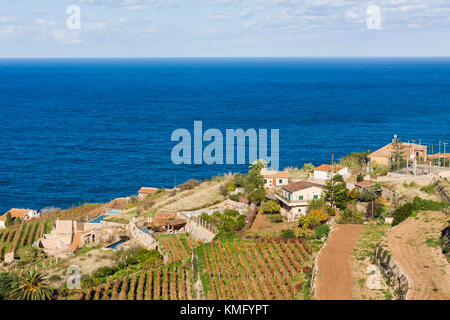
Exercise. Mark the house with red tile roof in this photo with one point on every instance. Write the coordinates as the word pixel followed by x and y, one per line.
pixel 409 150
pixel 295 197
pixel 325 171
pixel 19 214
pixel 145 191
pixel 273 178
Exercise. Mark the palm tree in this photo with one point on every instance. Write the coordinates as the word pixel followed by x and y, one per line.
pixel 31 286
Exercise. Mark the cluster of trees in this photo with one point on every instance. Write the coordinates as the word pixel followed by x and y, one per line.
pixel 336 192
pixel 228 223
pixel 252 182
pixel 356 160
pixel 312 225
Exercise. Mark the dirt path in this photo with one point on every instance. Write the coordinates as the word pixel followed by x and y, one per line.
pixel 334 277
pixel 413 243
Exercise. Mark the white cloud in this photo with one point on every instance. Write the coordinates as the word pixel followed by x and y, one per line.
pixel 44 22
pixel 66 36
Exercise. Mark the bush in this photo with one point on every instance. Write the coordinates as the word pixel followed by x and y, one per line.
pixel 54 277
pixel 276 218
pixel 367 195
pixel 430 189
pixel 188 185
pixel 402 213
pixel 322 231
pixel 270 207
pixel 234 197
pixel 359 177
pixel 287 234
pixel 422 204
pixel 316 204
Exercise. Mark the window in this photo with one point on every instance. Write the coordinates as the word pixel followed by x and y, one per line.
pixel 300 197
pixel 316 196
pixel 280 181
pixel 265 180
pixel 289 196
pixel 300 210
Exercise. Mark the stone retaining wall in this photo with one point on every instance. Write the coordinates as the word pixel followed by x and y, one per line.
pixel 148 240
pixel 199 232
pixel 395 277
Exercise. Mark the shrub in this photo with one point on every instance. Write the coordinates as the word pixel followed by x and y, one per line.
pixel 322 231
pixel 430 189
pixel 270 207
pixel 287 234
pixel 359 177
pixel 230 187
pixel 188 185
pixel 422 204
pixel 276 218
pixel 234 197
pixel 316 204
pixel 313 219
pixel 402 213
pixel 367 195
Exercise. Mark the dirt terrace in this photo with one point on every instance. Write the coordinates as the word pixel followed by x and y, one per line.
pixel 334 276
pixel 414 244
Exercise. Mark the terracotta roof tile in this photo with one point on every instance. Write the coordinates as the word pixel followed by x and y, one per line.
pixel 300 185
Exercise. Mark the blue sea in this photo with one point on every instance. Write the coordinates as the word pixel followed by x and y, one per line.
pixel 79 130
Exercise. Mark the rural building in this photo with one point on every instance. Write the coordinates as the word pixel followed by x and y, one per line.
pixel 440 156
pixel 273 178
pixel 410 151
pixel 145 191
pixel 362 185
pixel 325 171
pixel 20 214
pixel 296 196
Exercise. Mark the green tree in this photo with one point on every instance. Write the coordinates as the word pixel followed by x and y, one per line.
pixel 9 220
pixel 336 193
pixel 360 177
pixel 367 195
pixel 34 253
pixel 258 196
pixel 355 160
pixel 31 286
pixel 270 207
pixel 8 281
pixel 257 165
pixel 288 234
pixel 308 168
pixel 396 159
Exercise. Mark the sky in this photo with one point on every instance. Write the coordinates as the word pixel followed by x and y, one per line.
pixel 224 28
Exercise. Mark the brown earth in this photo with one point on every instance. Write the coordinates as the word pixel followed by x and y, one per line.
pixel 334 276
pixel 413 244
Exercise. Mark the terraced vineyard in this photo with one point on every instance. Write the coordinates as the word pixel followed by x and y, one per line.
pixel 269 269
pixel 164 283
pixel 177 247
pixel 20 236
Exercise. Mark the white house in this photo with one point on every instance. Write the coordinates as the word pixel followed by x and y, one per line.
pixel 325 171
pixel 21 214
pixel 296 196
pixel 273 178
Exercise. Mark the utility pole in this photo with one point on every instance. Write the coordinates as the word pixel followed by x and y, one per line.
pixel 439 157
pixel 445 145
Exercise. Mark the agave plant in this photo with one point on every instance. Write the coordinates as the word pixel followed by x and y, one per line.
pixel 32 286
